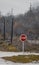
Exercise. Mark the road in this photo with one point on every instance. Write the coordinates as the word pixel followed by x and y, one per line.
pixel 5 54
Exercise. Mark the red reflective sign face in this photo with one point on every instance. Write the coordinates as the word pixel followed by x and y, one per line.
pixel 23 37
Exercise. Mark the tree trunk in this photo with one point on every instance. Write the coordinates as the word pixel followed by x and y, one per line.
pixel 12 31
pixel 4 28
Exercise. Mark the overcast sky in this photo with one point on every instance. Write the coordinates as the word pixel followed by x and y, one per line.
pixel 19 6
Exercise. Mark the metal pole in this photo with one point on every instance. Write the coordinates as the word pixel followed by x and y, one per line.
pixel 23 47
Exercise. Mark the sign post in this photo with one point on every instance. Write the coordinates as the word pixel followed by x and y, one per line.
pixel 23 46
pixel 23 37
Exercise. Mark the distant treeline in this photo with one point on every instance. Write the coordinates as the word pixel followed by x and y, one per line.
pixel 27 23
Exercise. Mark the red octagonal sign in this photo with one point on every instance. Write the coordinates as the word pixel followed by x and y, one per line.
pixel 23 37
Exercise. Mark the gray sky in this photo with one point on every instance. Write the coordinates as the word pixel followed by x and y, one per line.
pixel 19 6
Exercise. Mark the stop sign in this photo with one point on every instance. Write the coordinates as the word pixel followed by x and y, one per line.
pixel 23 37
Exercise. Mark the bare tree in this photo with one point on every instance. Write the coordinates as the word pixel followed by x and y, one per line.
pixel 12 31
pixel 4 27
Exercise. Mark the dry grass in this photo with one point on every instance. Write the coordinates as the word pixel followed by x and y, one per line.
pixel 23 58
pixel 5 47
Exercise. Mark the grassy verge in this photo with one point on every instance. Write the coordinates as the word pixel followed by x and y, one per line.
pixel 8 47
pixel 23 58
